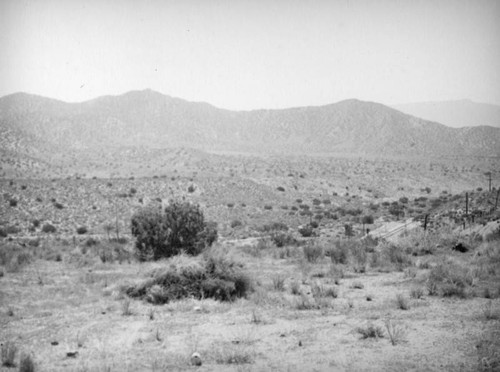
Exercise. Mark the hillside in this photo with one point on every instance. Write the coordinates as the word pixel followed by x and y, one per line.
pixel 37 126
pixel 456 114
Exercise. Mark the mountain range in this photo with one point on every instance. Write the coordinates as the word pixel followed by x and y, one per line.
pixel 456 114
pixel 38 126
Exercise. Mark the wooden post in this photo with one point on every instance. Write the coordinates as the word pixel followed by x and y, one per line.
pixel 466 204
pixel 496 200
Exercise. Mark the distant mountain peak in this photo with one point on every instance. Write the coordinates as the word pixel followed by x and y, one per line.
pixel 456 114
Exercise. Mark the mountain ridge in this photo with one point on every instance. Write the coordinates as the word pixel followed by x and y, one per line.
pixel 151 119
pixel 456 113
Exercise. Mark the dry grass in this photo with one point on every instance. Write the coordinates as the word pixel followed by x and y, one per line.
pixel 321 306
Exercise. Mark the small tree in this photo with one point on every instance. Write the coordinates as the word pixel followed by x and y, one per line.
pixel 181 227
pixel 367 220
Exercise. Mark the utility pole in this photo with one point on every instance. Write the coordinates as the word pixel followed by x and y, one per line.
pixel 496 200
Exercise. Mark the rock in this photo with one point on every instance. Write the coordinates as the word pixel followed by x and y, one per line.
pixel 197 309
pixel 72 354
pixel 196 359
pixel 54 343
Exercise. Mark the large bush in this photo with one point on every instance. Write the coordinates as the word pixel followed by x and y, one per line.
pixel 212 275
pixel 180 227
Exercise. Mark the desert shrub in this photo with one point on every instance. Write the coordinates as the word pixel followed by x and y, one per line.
pixel 13 229
pixel 33 242
pixel 358 285
pixel 402 302
pixel 403 200
pixel 354 212
pixel 268 207
pixel 417 293
pixel 14 257
pixel 36 223
pixel 264 244
pixel 359 257
pixel 488 351
pixel 306 231
pixel 449 279
pixel 348 230
pixel 3 232
pixel 273 227
pixel 48 228
pixel 213 275
pixel 236 223
pixel 281 239
pixel 280 188
pixel 181 227
pixel 119 240
pixel 91 242
pixel 81 230
pixel 397 256
pixel 395 209
pixel 313 252
pixel 8 354
pixel 339 254
pixel 370 331
pixel 13 202
pixel 304 303
pixel 191 189
pixel 234 354
pixel 436 202
pixel 367 220
pixel 314 224
pixel 295 287
pixel 58 205
pixel 319 290
pixel 278 282
pixel 493 236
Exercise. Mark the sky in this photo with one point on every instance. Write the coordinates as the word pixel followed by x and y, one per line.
pixel 241 55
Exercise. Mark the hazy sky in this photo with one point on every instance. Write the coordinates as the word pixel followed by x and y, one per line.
pixel 253 54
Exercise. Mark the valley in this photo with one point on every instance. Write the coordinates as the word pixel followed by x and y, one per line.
pixel 358 238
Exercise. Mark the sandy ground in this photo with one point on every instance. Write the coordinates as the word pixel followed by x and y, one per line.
pixel 82 310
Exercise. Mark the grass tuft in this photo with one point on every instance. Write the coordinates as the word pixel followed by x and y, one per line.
pixel 396 332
